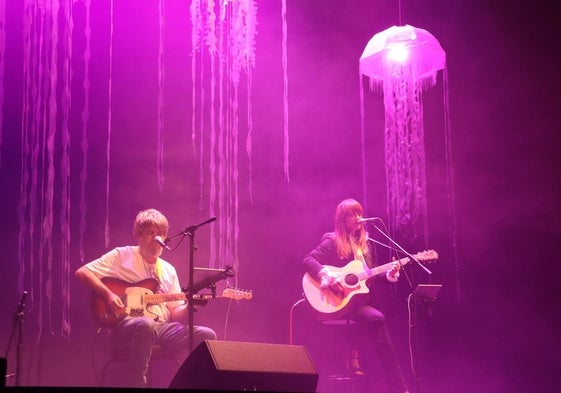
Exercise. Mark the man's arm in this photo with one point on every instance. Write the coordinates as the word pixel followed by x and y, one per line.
pixel 94 282
pixel 179 313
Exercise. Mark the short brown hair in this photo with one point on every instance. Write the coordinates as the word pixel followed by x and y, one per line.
pixel 150 217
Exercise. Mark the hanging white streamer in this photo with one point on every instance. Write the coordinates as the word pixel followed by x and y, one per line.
pixel 109 122
pixel 223 48
pixel 405 150
pixel 2 63
pixel 285 91
pixel 85 118
pixel 64 217
pixel 161 79
pixel 46 112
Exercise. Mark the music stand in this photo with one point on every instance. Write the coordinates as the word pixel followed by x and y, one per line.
pixel 427 292
pixel 207 274
pixel 204 277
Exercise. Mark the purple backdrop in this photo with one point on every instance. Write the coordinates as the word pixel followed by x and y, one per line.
pixel 501 335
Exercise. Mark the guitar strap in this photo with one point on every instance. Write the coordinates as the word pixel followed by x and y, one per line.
pixel 357 253
pixel 158 270
pixel 154 271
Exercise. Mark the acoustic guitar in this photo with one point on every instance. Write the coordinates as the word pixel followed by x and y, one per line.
pixel 352 279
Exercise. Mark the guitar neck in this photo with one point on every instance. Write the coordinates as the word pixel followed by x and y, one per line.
pixel 230 293
pixel 380 269
pixel 163 297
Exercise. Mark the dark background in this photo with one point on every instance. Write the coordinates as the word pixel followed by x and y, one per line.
pixel 495 324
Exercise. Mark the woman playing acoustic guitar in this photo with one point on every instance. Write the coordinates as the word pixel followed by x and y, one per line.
pixel 347 250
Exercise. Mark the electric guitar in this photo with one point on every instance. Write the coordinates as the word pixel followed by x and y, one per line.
pixel 138 297
pixel 352 279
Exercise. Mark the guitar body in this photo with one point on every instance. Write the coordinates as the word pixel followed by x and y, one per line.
pixel 326 300
pixel 131 295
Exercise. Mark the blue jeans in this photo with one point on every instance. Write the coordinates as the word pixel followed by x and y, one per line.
pixel 140 334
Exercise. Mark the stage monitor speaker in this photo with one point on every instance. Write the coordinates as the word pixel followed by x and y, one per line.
pixel 231 365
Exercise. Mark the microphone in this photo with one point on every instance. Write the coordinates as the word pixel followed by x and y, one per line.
pixel 21 304
pixel 161 242
pixel 365 220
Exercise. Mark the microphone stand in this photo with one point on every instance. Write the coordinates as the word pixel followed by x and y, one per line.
pixel 190 231
pixel 402 249
pixel 17 328
pixel 382 244
pixel 412 301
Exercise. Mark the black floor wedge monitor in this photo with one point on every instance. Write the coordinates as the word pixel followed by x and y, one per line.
pixel 246 366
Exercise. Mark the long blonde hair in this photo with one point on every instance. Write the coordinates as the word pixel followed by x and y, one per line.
pixel 343 237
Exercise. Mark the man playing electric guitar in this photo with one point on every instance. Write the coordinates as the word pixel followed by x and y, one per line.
pixel 342 249
pixel 166 322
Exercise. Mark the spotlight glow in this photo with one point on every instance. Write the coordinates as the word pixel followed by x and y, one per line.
pixel 398 53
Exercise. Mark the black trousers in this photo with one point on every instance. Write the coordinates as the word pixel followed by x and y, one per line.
pixel 373 341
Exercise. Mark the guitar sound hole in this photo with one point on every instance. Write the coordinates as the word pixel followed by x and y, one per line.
pixel 351 279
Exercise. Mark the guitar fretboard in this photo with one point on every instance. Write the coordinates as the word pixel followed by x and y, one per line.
pixel 163 297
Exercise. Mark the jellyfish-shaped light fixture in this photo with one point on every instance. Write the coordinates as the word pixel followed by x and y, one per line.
pixel 403 61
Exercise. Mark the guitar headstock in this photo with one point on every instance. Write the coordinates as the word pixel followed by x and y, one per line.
pixel 229 271
pixel 427 256
pixel 237 294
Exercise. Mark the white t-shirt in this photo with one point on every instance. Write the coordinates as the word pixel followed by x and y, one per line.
pixel 127 264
